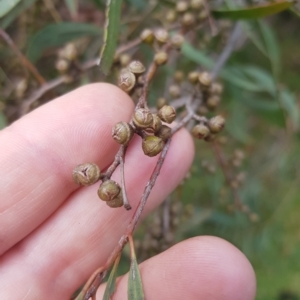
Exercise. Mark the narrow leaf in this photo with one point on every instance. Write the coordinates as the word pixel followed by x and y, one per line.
pixel 72 7
pixel 6 6
pixel 271 46
pixel 110 38
pixel 111 282
pixel 55 35
pixel 10 16
pixel 197 56
pixel 254 12
pixel 135 286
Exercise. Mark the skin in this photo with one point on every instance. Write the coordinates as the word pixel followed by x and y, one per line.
pixel 54 234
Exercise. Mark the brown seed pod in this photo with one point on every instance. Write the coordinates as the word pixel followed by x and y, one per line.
pixel 160 58
pixel 188 19
pixel 167 114
pixel 182 6
pixel 216 124
pixel 124 59
pixel 160 102
pixel 161 35
pixel 152 145
pixel 171 16
pixel 174 91
pixel 177 40
pixel 197 4
pixel 200 131
pixel 216 88
pixel 126 81
pixel 205 80
pixel 147 36
pixel 62 65
pixel 122 133
pixel 116 202
pixel 86 174
pixel 202 110
pixel 136 67
pixel 193 77
pixel 212 102
pixel 108 190
pixel 165 132
pixel 142 118
pixel 178 76
pixel 203 15
pixel 68 52
pixel 156 125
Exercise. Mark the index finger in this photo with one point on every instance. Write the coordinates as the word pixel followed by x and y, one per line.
pixel 39 151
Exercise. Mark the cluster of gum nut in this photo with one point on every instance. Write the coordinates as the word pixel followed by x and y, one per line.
pixel 154 134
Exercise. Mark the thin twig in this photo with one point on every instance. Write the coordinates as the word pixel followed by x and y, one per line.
pixel 94 282
pixel 222 59
pixel 124 194
pixel 224 166
pixel 41 91
pixel 52 10
pixel 25 62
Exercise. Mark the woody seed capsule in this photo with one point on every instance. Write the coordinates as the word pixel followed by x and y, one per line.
pixel 160 102
pixel 165 132
pixel 193 77
pixel 126 81
pixel 152 145
pixel 136 67
pixel 147 36
pixel 174 91
pixel 200 131
pixel 171 16
pixel 188 19
pixel 116 202
pixel 156 125
pixel 161 58
pixel 167 114
pixel 197 4
pixel 122 133
pixel 161 35
pixel 205 80
pixel 212 102
pixel 177 40
pixel 182 6
pixel 216 124
pixel 108 190
pixel 86 174
pixel 142 118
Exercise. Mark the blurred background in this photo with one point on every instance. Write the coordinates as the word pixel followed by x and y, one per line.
pixel 245 191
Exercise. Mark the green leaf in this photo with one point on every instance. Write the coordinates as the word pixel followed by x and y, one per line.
pixel 6 20
pixel 55 35
pixel 113 15
pixel 6 6
pixel 111 282
pixel 135 286
pixel 271 46
pixel 3 121
pixel 72 7
pixel 253 12
pixel 196 55
pixel 289 103
pixel 249 78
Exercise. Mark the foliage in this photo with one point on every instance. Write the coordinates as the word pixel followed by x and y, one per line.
pixel 261 104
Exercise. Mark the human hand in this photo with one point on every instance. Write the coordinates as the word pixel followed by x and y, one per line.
pixel 53 234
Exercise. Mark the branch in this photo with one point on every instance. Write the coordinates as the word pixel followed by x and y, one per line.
pixel 232 41
pixel 25 62
pixel 224 166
